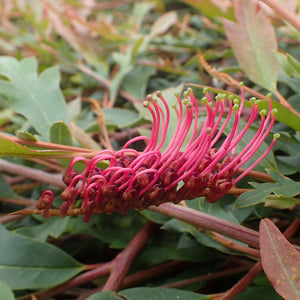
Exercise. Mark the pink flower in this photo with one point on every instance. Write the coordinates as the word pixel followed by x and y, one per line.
pixel 206 165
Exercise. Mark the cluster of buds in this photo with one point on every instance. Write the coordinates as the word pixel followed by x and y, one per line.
pixel 198 161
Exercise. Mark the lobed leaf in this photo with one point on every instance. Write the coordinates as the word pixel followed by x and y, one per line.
pixel 38 98
pixel 280 260
pixel 284 188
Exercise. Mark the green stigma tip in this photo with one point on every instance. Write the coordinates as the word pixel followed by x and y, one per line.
pixel 218 97
pixel 235 107
pixel 177 94
pixel 205 90
pixel 241 84
pixel 276 136
pixel 185 94
pixel 236 101
pixel 263 112
pixel 230 97
pixel 274 111
pixel 269 95
pixel 190 90
pixel 204 100
pixel 257 102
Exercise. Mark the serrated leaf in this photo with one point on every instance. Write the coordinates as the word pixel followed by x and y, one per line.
pixel 60 134
pixel 38 98
pixel 280 260
pixel 30 264
pixel 253 42
pixel 10 148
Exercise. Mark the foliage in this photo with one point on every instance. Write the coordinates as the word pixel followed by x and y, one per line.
pixel 73 76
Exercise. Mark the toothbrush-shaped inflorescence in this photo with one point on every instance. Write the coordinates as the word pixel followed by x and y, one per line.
pixel 191 165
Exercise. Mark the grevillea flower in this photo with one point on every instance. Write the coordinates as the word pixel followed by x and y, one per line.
pixel 199 159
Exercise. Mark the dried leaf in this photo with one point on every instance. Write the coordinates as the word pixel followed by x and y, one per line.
pixel 280 260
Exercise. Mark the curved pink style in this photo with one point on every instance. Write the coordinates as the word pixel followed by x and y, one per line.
pixel 202 155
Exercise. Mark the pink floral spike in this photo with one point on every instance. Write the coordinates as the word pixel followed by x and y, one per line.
pixel 136 180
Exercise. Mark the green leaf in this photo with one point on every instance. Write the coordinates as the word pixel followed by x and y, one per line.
pixel 148 294
pixel 283 187
pixel 281 203
pixel 212 9
pixel 26 136
pixel 289 64
pixel 54 227
pixel 30 264
pixel 60 134
pixel 38 98
pixel 5 291
pixel 105 296
pixel 253 42
pixel 135 82
pixel 280 260
pixel 10 148
pixel 5 189
pixel 266 293
pixel 120 117
pixel 160 294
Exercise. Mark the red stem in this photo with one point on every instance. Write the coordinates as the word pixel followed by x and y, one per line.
pixel 123 261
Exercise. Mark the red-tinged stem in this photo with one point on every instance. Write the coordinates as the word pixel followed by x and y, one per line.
pixel 144 276
pixel 243 283
pixel 256 270
pixel 283 13
pixel 38 175
pixel 235 231
pixel 79 280
pixel 235 246
pixel 123 261
pixel 117 268
pixel 220 274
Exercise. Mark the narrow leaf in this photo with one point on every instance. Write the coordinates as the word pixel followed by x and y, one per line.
pixel 280 260
pixel 10 148
pixel 29 264
pixel 163 23
pixel 254 44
